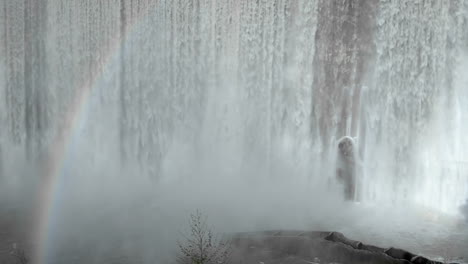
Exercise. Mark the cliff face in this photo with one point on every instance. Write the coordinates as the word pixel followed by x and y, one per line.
pixel 345 48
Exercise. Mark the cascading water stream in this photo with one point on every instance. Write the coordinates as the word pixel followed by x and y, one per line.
pixel 409 110
pixel 238 84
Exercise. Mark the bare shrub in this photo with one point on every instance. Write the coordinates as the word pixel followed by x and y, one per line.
pixel 200 246
pixel 19 255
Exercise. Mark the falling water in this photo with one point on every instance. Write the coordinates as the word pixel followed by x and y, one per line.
pixel 412 106
pixel 242 84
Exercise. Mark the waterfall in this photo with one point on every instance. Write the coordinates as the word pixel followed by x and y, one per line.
pixel 408 106
pixel 241 83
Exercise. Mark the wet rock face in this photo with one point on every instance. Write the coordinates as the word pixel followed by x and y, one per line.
pixel 339 237
pixel 346 167
pixel 422 260
pixel 399 254
pixel 346 148
pixel 464 210
pixel 296 247
pixel 345 46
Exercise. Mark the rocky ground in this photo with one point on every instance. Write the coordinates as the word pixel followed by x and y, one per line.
pixel 431 239
pixel 13 235
pixel 301 247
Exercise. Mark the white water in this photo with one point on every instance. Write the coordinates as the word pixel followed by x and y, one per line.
pixel 233 86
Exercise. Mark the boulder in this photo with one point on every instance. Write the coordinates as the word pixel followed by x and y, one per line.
pixel 346 167
pixel 399 253
pixel 339 237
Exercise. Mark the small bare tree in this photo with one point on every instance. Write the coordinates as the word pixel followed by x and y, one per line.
pixel 19 255
pixel 200 247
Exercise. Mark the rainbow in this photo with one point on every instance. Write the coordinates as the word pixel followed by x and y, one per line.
pixel 62 145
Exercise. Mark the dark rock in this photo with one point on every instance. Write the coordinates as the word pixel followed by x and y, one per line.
pixel 399 253
pixel 346 167
pixel 339 237
pixel 302 249
pixel 294 247
pixel 420 260
pixel 423 260
pixel 372 248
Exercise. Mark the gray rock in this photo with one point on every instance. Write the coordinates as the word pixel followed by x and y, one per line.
pixel 295 246
pixel 464 210
pixel 339 237
pixel 399 254
pixel 346 167
pixel 420 260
